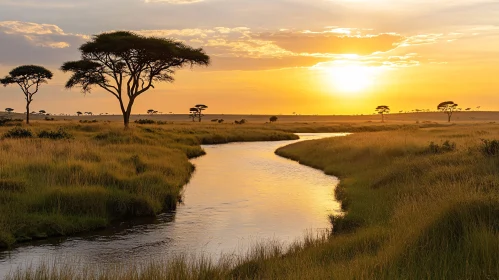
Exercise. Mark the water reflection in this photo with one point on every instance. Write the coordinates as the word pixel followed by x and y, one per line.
pixel 240 194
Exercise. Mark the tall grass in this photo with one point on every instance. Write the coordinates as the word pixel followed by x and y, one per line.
pixel 417 214
pixel 411 213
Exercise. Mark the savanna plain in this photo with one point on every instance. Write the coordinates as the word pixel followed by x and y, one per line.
pixel 420 196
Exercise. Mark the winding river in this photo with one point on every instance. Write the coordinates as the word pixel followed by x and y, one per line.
pixel 241 194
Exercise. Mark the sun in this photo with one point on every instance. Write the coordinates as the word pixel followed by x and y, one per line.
pixel 351 78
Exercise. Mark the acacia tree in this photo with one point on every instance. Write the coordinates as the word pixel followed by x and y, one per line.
pixel 9 110
pixel 382 110
pixel 79 113
pixel 193 112
pixel 447 107
pixel 29 78
pixel 126 65
pixel 42 112
pixel 201 108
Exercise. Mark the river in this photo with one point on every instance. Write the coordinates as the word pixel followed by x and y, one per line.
pixel 240 194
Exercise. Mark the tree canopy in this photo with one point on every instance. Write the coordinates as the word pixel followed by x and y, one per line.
pixel 28 78
pixel 197 112
pixel 382 110
pixel 447 107
pixel 126 65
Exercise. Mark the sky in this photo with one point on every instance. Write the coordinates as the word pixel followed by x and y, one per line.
pixel 321 57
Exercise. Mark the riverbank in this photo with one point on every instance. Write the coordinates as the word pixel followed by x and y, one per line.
pixel 69 178
pixel 421 203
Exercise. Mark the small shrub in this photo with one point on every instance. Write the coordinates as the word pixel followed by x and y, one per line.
pixel 18 132
pixel 89 121
pixel 145 121
pixel 55 135
pixel 49 119
pixel 490 147
pixel 9 122
pixel 445 147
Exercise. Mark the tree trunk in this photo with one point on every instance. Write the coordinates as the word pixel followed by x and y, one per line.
pixel 449 115
pixel 126 119
pixel 127 113
pixel 382 118
pixel 27 113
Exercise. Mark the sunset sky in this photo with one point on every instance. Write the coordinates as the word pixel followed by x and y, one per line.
pixel 272 56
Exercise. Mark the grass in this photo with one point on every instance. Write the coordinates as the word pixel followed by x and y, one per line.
pixel 420 203
pixel 75 177
pixel 412 213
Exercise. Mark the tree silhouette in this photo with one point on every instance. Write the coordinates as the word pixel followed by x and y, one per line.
pixel 126 65
pixel 201 108
pixel 9 110
pixel 42 112
pixel 273 119
pixel 447 107
pixel 79 113
pixel 197 112
pixel 193 112
pixel 150 111
pixel 29 78
pixel 382 110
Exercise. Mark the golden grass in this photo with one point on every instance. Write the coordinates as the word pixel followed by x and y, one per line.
pixel 411 213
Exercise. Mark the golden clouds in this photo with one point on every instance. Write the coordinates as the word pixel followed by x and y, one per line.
pixel 333 43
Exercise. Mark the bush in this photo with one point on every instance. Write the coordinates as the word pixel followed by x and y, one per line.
pixel 18 132
pixel 490 147
pixel 88 121
pixel 49 119
pixel 445 147
pixel 55 135
pixel 8 121
pixel 145 121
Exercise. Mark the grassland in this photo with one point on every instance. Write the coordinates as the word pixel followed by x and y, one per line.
pixel 421 202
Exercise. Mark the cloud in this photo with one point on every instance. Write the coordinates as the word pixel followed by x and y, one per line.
pixel 241 48
pixel 27 42
pixel 329 42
